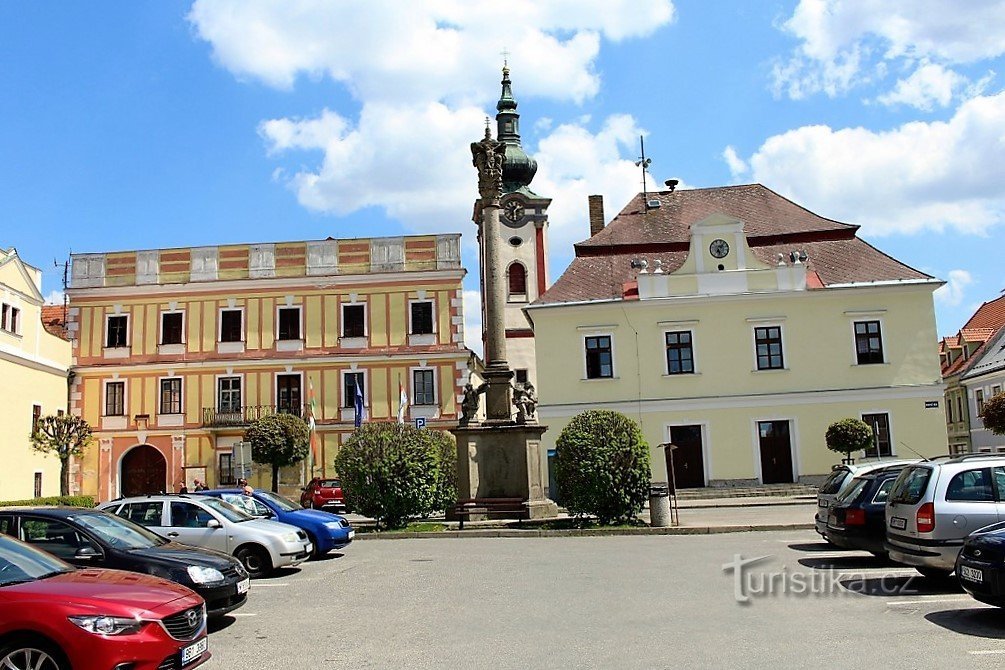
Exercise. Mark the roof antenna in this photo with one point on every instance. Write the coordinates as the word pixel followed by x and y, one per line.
pixel 644 163
pixel 66 281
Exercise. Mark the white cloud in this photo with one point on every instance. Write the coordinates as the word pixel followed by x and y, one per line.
pixel 844 43
pixel 55 297
pixel 737 166
pixel 929 85
pixel 919 176
pixel 952 292
pixel 473 321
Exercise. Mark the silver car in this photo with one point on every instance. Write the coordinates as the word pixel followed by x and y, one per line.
pixel 261 545
pixel 935 505
pixel 840 479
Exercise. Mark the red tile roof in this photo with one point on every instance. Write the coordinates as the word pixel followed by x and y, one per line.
pixel 774 225
pixel 52 320
pixel 985 323
pixel 989 315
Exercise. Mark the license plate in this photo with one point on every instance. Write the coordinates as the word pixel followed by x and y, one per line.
pixel 308 548
pixel 243 586
pixel 971 574
pixel 898 523
pixel 822 503
pixel 194 651
pixel 352 534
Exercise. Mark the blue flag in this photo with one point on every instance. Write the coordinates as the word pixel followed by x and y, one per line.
pixel 358 418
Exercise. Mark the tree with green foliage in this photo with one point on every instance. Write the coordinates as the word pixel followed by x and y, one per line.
pixel 602 466
pixel 846 436
pixel 993 415
pixel 279 440
pixel 392 471
pixel 65 436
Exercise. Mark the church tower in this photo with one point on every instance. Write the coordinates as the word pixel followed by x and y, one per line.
pixel 524 245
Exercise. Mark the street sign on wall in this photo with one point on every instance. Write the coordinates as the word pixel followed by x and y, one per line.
pixel 420 422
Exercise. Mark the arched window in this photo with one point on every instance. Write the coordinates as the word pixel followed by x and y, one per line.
pixel 517 282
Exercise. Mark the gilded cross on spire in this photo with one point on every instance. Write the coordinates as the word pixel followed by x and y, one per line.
pixel 505 54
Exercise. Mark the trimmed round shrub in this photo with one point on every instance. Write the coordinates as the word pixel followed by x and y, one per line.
pixel 602 466
pixel 391 471
pixel 446 483
pixel 993 415
pixel 849 435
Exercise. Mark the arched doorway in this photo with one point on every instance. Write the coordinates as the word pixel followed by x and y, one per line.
pixel 144 470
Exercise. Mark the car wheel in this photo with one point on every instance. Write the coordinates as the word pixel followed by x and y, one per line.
pixel 934 573
pixel 31 655
pixel 256 560
pixel 316 551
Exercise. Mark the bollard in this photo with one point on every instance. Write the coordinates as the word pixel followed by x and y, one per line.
pixel 659 506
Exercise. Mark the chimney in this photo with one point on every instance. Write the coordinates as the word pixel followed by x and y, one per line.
pixel 596 214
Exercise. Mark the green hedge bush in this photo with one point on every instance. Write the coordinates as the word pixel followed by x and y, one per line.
pixel 602 466
pixel 71 501
pixel 393 471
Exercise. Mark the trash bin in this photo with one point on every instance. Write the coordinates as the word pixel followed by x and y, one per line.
pixel 659 505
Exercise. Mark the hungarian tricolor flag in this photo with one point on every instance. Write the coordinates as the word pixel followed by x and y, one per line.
pixel 402 402
pixel 311 423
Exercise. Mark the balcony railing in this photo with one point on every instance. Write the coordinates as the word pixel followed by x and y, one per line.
pixel 212 416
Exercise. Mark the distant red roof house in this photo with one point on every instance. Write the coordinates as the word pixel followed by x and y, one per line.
pixel 774 225
pixel 52 320
pixel 958 352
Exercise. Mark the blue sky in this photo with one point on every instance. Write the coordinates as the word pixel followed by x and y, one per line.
pixel 153 124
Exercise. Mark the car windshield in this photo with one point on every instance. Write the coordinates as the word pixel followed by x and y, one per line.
pixel 118 532
pixel 833 483
pixel 852 492
pixel 226 510
pixel 331 483
pixel 911 485
pixel 285 504
pixel 21 563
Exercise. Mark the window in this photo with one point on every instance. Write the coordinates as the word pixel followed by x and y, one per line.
pixel 769 348
pixel 884 491
pixel 598 357
pixel 288 398
pixel 246 504
pixel 231 326
pixel 229 394
pixel 354 321
pixel 187 515
pixel 959 407
pixel 979 397
pixel 9 317
pixel 880 425
pixel 517 276
pixel 171 327
pixel 115 399
pixel 423 387
pixel 422 318
pixel 971 486
pixel 36 414
pixel 868 342
pixel 144 513
pixel 289 323
pixel 351 381
pixel 38 484
pixel 171 395
pixel 995 390
pixel 117 332
pixel 58 538
pixel 680 354
pixel 226 469
pixel 909 487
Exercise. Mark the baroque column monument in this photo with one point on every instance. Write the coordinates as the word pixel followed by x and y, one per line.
pixel 501 457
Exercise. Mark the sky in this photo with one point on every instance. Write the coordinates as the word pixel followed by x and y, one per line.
pixel 160 123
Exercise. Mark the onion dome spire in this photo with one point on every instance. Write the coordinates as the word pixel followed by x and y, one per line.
pixel 519 168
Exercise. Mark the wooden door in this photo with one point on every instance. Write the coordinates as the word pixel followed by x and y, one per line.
pixel 776 452
pixel 688 459
pixel 144 470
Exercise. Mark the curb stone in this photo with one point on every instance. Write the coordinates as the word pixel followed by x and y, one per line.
pixel 584 532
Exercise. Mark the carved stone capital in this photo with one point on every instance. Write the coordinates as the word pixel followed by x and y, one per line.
pixel 488 157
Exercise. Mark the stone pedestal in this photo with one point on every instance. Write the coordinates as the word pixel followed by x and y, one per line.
pixel 503 461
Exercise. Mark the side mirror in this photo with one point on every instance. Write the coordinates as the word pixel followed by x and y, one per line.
pixel 87 553
pixel 213 523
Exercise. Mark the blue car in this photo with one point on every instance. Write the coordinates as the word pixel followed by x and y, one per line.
pixel 327 531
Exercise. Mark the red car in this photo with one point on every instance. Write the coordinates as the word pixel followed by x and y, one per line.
pixel 324 494
pixel 56 617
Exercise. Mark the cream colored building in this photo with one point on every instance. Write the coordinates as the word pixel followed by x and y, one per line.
pixel 737 325
pixel 33 380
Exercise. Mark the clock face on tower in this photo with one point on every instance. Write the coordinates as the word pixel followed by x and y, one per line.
pixel 513 211
pixel 718 248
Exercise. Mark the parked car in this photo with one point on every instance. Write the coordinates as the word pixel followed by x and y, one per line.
pixel 92 538
pixel 54 616
pixel 324 494
pixel 261 545
pixel 935 505
pixel 326 531
pixel 981 565
pixel 857 517
pixel 840 478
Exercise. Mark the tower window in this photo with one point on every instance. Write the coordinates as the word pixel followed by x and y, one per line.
pixel 517 276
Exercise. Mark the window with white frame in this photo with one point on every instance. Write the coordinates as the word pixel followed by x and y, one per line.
pixel 350 382
pixel 768 341
pixel 289 399
pixel 289 323
pixel 10 318
pixel 880 425
pixel 421 317
pixel 599 359
pixel 115 398
pixel 170 400
pixel 172 327
pixel 680 352
pixel 117 331
pixel 231 325
pixel 868 343
pixel 354 320
pixel 228 395
pixel 979 399
pixel 423 387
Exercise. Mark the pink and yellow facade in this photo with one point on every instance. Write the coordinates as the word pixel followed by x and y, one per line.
pixel 175 351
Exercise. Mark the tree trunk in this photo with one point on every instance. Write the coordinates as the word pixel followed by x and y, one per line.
pixel 64 476
pixel 275 479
